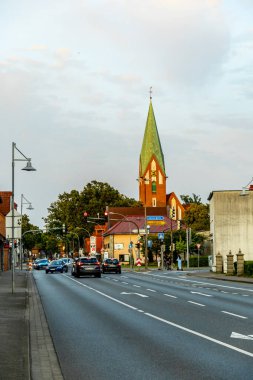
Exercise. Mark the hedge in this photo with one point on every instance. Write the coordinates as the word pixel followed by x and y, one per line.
pixel 203 261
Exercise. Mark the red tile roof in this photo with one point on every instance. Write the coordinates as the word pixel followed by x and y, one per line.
pixel 130 223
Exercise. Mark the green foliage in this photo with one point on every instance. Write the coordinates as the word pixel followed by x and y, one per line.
pixel 248 268
pixel 197 217
pixel 93 199
pixel 203 261
pixel 188 200
pixel 29 234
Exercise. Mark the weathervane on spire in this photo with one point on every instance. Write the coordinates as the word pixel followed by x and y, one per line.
pixel 150 92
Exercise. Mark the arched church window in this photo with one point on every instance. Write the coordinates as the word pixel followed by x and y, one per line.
pixel 153 187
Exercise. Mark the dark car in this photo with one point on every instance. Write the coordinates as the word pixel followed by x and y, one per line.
pixel 86 266
pixel 41 264
pixel 57 266
pixel 111 265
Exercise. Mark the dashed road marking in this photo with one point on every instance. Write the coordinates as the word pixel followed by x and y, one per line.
pixel 234 315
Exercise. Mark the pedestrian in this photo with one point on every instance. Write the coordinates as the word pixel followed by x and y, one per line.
pixel 179 263
pixel 168 263
pixel 159 262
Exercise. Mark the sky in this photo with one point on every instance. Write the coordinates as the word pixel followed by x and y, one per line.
pixel 74 94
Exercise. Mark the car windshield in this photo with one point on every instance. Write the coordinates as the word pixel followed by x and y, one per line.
pixel 56 262
pixel 87 260
pixel 111 261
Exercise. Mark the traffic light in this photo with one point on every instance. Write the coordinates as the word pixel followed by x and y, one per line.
pixel 85 215
pixel 106 217
pixel 172 213
pixel 178 224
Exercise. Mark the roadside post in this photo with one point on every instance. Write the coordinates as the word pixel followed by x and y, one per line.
pixel 198 247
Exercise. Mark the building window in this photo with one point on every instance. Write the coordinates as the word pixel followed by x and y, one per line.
pixel 153 187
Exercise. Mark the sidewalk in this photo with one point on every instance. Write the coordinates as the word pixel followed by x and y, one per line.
pixel 206 273
pixel 26 350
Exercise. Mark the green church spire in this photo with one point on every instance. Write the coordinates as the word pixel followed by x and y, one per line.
pixel 151 145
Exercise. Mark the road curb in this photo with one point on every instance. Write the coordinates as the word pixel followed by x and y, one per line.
pixel 44 363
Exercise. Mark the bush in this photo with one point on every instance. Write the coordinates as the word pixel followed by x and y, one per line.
pixel 203 261
pixel 248 268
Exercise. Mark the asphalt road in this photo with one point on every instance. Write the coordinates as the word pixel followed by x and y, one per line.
pixel 156 325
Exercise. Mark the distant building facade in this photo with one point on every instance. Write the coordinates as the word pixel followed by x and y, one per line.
pixel 231 224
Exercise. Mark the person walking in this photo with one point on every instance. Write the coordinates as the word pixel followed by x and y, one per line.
pixel 179 263
pixel 159 262
pixel 168 263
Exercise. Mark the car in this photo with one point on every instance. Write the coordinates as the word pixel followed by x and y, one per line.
pixel 111 265
pixel 56 266
pixel 68 261
pixel 41 264
pixel 86 266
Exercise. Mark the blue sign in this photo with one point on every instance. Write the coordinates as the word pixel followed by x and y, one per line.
pixel 154 217
pixel 160 235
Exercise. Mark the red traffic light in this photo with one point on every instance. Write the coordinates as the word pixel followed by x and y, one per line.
pixel 85 214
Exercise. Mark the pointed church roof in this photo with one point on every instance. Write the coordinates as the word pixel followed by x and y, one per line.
pixel 151 144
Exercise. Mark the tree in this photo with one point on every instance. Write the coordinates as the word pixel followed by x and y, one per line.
pixel 189 200
pixel 29 238
pixel 197 217
pixel 93 199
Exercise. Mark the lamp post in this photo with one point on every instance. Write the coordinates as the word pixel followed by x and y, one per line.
pixel 23 202
pixel 28 167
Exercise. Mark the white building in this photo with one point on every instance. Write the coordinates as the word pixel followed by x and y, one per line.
pixel 231 223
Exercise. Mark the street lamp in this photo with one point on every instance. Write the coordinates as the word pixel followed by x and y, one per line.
pixel 29 168
pixel 24 201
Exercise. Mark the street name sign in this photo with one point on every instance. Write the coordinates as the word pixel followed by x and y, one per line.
pixel 155 218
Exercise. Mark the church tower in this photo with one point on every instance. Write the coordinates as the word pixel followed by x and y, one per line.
pixel 152 176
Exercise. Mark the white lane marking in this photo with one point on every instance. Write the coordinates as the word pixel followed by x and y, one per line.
pixel 151 290
pixel 241 336
pixel 164 320
pixel 123 282
pixel 137 286
pixel 234 315
pixel 200 282
pixel 169 295
pixel 245 295
pixel 115 280
pixel 137 294
pixel 202 294
pixel 124 276
pixel 196 303
pixel 201 335
pixel 140 311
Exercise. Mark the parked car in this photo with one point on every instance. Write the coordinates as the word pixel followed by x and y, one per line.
pixel 86 266
pixel 56 266
pixel 111 265
pixel 41 264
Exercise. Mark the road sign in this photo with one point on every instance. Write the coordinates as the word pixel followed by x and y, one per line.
pixel 155 217
pixel 156 222
pixel 161 235
pixel 198 245
pixel 142 231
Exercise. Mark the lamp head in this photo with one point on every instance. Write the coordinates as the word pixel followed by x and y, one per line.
pixel 30 207
pixel 29 167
